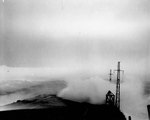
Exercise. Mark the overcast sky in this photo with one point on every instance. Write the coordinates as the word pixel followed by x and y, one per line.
pixel 54 33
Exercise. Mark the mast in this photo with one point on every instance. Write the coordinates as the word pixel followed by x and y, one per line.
pixel 110 75
pixel 117 102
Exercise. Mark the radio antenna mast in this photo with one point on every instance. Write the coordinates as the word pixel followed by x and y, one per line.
pixel 117 101
pixel 110 75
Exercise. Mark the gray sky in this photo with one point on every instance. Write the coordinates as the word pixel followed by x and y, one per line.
pixel 52 33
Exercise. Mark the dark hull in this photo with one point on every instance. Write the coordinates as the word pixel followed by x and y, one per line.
pixel 72 112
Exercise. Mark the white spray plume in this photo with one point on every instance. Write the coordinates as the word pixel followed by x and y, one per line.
pixel 94 89
pixel 91 89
